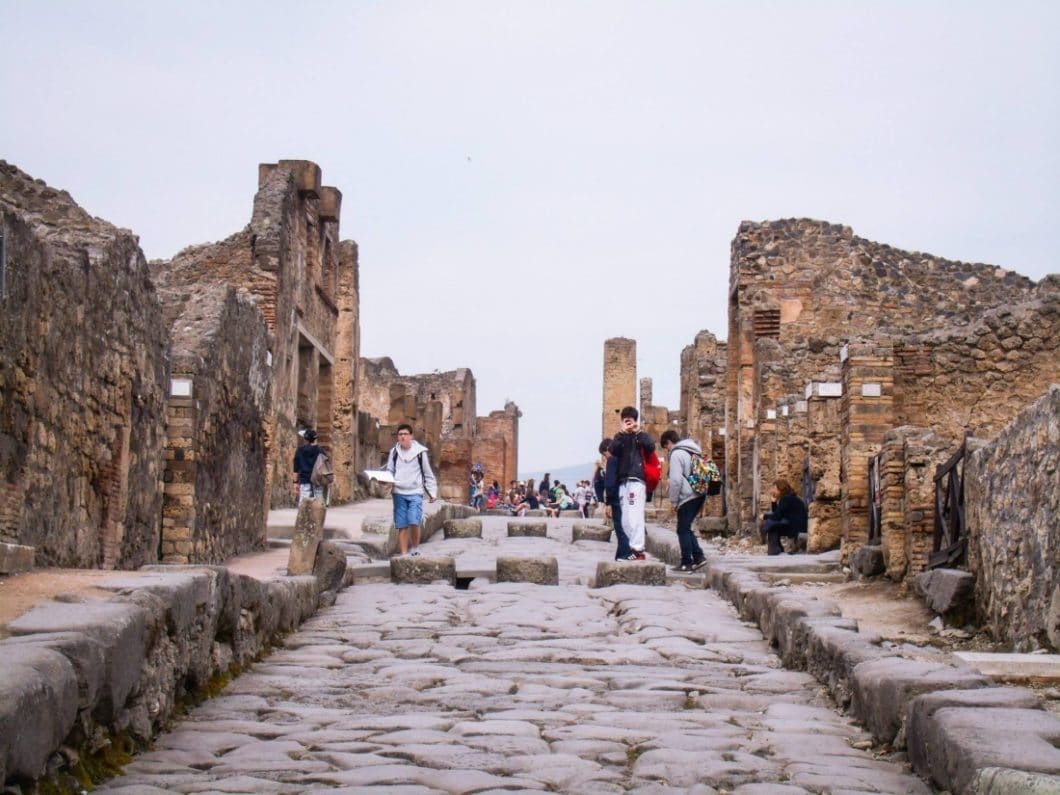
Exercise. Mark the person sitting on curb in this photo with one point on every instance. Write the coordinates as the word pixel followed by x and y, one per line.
pixel 787 519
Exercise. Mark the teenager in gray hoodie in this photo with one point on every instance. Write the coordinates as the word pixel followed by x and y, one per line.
pixel 410 465
pixel 686 503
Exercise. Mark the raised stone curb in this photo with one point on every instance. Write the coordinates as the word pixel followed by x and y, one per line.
pixel 422 570
pixel 527 529
pixel 711 526
pixel 952 719
pixel 462 528
pixel 91 669
pixel 540 570
pixel 621 572
pixel 590 532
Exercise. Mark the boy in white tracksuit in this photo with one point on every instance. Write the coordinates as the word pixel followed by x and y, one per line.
pixel 410 465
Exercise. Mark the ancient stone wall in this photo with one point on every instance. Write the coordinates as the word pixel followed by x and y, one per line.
pixel 1011 507
pixel 497 444
pixel 214 503
pixel 703 389
pixel 620 381
pixel 83 377
pixel 347 457
pixel 811 286
pixel 289 259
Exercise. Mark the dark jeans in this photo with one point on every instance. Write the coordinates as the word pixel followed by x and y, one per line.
pixel 691 552
pixel 774 530
pixel 624 550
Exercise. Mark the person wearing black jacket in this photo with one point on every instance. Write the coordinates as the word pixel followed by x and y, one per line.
pixel 304 458
pixel 788 517
pixel 612 504
pixel 628 449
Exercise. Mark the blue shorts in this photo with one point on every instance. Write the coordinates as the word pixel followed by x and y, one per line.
pixel 408 510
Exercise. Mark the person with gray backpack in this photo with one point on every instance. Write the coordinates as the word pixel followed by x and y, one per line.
pixel 685 454
pixel 411 467
pixel 310 476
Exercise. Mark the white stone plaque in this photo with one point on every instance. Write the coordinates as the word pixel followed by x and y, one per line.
pixel 721 431
pixel 871 390
pixel 783 411
pixel 771 414
pixel 829 389
pixel 809 390
pixel 180 387
pixel 800 406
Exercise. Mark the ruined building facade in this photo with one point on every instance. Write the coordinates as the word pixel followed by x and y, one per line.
pixel 441 408
pixel 83 380
pixel 303 279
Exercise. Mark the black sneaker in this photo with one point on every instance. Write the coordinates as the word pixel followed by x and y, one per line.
pixel 684 568
pixel 699 564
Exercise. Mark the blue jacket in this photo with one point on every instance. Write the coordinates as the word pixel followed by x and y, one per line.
pixel 626 453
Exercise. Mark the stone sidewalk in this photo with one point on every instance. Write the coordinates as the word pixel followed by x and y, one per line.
pixel 519 687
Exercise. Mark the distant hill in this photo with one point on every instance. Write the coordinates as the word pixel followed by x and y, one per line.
pixel 569 475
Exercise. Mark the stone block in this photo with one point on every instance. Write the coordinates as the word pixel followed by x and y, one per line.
pixel 536 512
pixel 883 690
pixel 84 652
pixel 949 744
pixel 329 567
pixel 377 525
pixel 1038 668
pixel 308 533
pixel 1006 781
pixel 119 627
pixel 15 558
pixel 497 512
pixel 462 528
pixel 38 705
pixel 524 529
pixel 571 514
pixel 422 570
pixel 868 561
pixel 711 526
pixel 629 572
pixel 540 571
pixel 591 532
pixel 949 593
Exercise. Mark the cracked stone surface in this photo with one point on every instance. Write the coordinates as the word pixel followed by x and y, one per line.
pixel 515 687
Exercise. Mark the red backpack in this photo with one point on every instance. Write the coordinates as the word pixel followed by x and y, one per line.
pixel 652 469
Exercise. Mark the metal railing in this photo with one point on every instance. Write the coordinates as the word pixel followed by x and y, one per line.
pixel 950 542
pixel 875 500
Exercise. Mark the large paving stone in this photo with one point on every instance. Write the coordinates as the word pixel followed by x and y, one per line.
pixel 462 528
pixel 590 532
pixel 1005 781
pixel 542 570
pixel 422 569
pixel 883 690
pixel 15 558
pixel 38 704
pixel 530 529
pixel 630 572
pixel 329 567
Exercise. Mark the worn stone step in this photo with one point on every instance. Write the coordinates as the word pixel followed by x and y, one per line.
pixel 541 570
pixel 800 576
pixel 630 572
pixel 1040 668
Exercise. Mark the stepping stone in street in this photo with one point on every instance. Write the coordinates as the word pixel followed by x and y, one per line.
pixel 532 529
pixel 542 570
pixel 462 528
pixel 591 532
pixel 630 572
pixel 422 570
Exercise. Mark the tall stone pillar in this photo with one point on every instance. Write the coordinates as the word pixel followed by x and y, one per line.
pixel 822 423
pixel 620 381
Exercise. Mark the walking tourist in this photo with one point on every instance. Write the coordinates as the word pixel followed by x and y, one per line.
pixel 612 504
pixel 410 465
pixel 685 501
pixel 304 459
pixel 630 447
pixel 786 520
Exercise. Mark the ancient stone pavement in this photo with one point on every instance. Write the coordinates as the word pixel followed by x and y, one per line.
pixel 519 688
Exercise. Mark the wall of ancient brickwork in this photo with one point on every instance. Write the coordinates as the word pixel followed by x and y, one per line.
pixel 620 381
pixel 83 376
pixel 1011 507
pixel 703 388
pixel 214 503
pixel 289 257
pixel 497 444
pixel 811 286
pixel 346 451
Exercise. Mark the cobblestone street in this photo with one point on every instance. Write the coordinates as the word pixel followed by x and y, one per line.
pixel 519 688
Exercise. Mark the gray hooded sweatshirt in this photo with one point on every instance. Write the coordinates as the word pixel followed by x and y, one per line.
pixel 404 465
pixel 680 469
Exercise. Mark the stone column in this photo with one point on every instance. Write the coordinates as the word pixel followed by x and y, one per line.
pixel 620 381
pixel 822 425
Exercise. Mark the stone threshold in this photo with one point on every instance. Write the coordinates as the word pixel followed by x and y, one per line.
pixel 962 730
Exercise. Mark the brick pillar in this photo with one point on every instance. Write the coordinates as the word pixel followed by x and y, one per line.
pixel 620 381
pixel 178 491
pixel 867 413
pixel 822 428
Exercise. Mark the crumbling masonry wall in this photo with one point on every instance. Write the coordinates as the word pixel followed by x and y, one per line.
pixel 620 381
pixel 214 503
pixel 290 259
pixel 1011 506
pixel 83 378
pixel 811 286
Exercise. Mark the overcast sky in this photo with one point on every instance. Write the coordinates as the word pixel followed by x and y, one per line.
pixel 527 179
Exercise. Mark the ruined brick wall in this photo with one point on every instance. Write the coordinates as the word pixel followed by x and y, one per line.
pixel 977 377
pixel 702 406
pixel 812 285
pixel 620 381
pixel 346 450
pixel 288 258
pixel 83 376
pixel 214 503
pixel 454 466
pixel 497 444
pixel 1011 507
pixel 824 454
